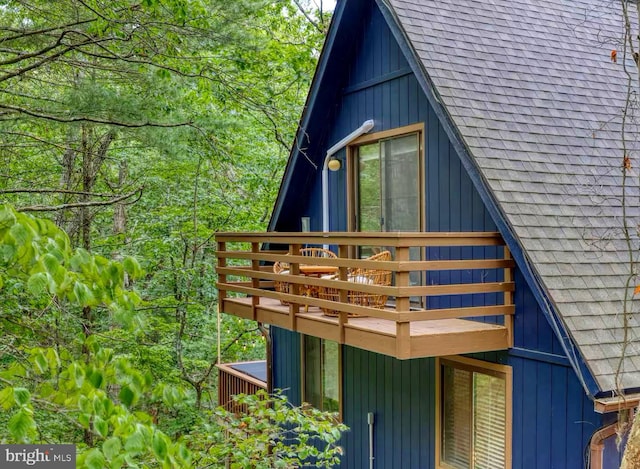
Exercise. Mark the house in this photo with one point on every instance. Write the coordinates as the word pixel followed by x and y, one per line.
pixel 479 141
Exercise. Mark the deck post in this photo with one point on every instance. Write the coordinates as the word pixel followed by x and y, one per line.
pixel 255 281
pixel 508 298
pixel 222 278
pixel 403 303
pixel 294 288
pixel 343 316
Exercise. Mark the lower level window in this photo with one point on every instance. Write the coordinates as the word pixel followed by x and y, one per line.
pixel 321 374
pixel 474 415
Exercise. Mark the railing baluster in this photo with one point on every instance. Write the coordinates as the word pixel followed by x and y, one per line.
pixel 222 278
pixel 294 288
pixel 343 316
pixel 255 281
pixel 508 298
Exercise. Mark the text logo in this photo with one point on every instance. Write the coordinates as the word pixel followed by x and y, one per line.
pixel 38 456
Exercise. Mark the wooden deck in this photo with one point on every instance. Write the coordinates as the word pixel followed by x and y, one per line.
pixel 246 281
pixel 429 338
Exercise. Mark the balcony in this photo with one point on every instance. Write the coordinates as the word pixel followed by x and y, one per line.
pixel 240 378
pixel 457 299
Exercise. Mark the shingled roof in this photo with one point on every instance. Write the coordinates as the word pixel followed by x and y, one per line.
pixel 538 103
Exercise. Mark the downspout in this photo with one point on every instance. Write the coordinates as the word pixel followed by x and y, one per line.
pixel 370 421
pixel 363 129
pixel 596 443
pixel 267 337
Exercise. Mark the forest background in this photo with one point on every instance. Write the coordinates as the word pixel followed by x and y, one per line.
pixel 139 128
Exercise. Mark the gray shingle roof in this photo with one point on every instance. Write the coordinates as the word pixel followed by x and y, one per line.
pixel 530 86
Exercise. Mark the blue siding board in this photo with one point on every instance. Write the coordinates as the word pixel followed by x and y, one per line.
pixel 517 410
pixel 529 411
pixel 559 416
pixel 286 363
pixel 543 414
pixel 443 223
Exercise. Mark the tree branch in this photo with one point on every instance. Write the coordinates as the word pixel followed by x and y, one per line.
pixel 54 208
pixel 92 119
pixel 55 191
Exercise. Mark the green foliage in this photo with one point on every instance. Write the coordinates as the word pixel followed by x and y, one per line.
pixel 93 397
pixel 270 432
pixel 177 116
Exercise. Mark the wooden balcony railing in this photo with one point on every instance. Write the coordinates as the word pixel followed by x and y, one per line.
pixel 234 379
pixel 457 299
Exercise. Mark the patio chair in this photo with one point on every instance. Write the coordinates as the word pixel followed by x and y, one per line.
pixel 364 276
pixel 283 268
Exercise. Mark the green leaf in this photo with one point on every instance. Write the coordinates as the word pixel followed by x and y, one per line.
pixel 96 379
pixel 94 459
pixel 83 294
pixel 77 373
pixel 118 462
pixel 21 424
pixel 20 234
pixel 132 267
pixel 135 442
pixel 127 396
pixel 21 395
pixel 38 283
pixel 100 426
pixel 84 420
pixel 6 398
pixel 41 362
pixel 159 446
pixel 7 217
pixel 51 263
pixel 111 448
pixel 85 404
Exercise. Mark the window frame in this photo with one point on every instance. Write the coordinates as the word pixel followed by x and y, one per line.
pixel 474 365
pixel 303 367
pixel 366 139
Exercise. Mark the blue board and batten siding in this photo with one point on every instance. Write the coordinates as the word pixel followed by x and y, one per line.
pixel 553 418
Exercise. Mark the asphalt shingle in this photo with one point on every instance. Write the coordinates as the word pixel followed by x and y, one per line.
pixel 532 91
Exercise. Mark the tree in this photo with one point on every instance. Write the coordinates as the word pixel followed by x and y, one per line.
pixel 142 128
pixel 628 47
pixel 53 392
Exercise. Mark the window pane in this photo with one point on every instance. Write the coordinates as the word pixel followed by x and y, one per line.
pixel 312 372
pixel 330 377
pixel 369 214
pixel 489 417
pixel 401 184
pixel 456 418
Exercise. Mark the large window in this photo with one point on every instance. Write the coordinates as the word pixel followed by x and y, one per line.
pixel 387 182
pixel 387 187
pixel 474 414
pixel 321 373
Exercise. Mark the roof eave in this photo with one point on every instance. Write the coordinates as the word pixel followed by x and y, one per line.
pixel 321 68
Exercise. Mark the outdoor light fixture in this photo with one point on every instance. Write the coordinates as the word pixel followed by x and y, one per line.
pixel 334 164
pixel 329 160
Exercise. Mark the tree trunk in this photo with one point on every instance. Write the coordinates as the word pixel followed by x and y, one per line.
pixel 631 459
pixel 119 211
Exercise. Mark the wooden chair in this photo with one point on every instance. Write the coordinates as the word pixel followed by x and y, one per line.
pixel 283 268
pixel 364 276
